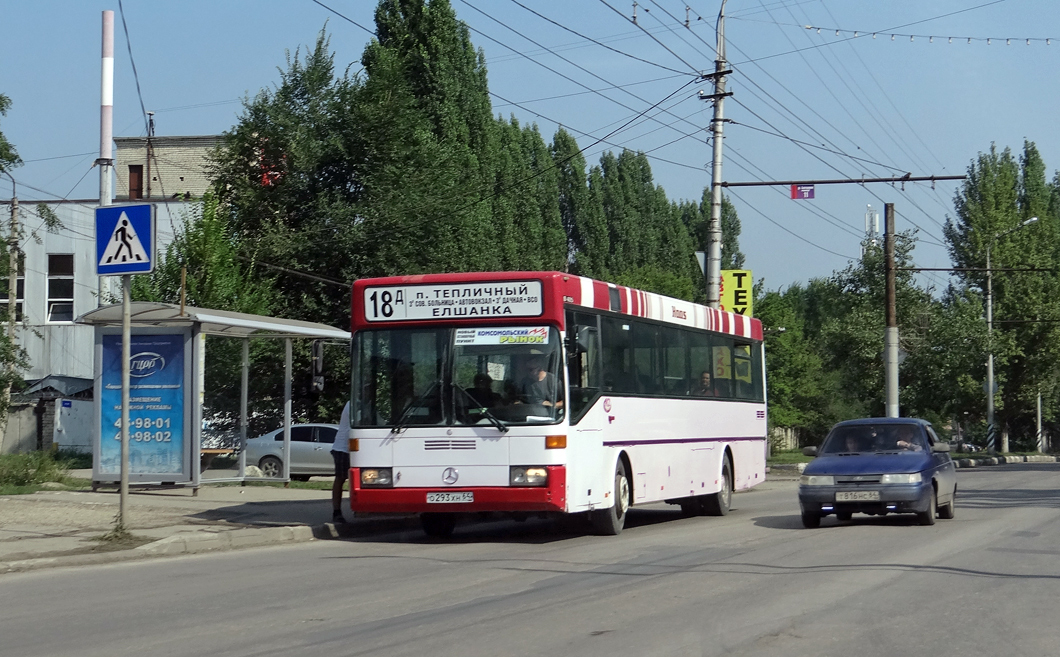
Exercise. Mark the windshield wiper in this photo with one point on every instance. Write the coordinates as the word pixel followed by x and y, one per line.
pixel 503 428
pixel 401 424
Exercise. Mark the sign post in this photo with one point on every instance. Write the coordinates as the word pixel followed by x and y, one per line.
pixel 737 291
pixel 125 245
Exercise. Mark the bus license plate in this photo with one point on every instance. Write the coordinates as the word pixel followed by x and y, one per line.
pixel 448 497
pixel 858 496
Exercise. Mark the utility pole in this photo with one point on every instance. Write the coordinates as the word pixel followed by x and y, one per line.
pixel 150 153
pixel 717 124
pixel 12 263
pixel 12 298
pixel 890 338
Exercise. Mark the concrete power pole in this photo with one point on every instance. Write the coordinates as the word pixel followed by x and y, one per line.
pixel 718 123
pixel 890 339
pixel 12 263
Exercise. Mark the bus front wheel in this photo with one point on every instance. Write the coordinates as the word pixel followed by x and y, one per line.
pixel 609 522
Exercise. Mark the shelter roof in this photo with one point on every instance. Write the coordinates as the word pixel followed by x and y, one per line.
pixel 213 322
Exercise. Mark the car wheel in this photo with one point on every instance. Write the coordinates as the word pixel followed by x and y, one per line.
pixel 946 511
pixel 719 503
pixel 438 525
pixel 271 467
pixel 609 522
pixel 811 520
pixel 928 517
pixel 843 516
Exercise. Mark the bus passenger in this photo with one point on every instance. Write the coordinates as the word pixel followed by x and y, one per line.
pixel 483 392
pixel 705 388
pixel 539 387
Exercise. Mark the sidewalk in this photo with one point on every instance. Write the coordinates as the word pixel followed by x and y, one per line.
pixel 56 528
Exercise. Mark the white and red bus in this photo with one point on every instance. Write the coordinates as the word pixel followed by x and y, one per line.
pixel 537 392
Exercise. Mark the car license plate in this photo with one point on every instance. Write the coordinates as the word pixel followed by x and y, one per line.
pixel 858 496
pixel 448 497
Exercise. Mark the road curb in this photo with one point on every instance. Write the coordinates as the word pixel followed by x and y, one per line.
pixel 207 540
pixel 1003 460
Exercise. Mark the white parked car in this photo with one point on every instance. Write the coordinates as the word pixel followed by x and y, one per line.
pixel 310 451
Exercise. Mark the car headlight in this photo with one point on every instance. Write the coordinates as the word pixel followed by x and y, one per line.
pixel 528 476
pixel 817 480
pixel 377 477
pixel 913 478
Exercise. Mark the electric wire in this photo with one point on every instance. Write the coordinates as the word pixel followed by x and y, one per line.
pixel 883 31
pixel 344 17
pixel 665 47
pixel 136 77
pixel 602 45
pixel 549 68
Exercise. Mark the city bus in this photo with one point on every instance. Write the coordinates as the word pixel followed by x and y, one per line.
pixel 548 393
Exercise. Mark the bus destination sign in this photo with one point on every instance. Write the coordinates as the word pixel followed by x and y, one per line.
pixel 453 301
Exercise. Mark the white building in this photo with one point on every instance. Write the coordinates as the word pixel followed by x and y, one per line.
pixel 58 282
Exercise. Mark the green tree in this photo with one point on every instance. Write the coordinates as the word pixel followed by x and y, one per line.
pixel 1002 193
pixel 12 357
pixel 9 158
pixel 205 249
pixel 425 55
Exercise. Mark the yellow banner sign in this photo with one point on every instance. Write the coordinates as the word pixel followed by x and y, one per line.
pixel 737 291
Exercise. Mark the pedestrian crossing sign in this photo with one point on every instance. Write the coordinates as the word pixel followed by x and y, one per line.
pixel 125 240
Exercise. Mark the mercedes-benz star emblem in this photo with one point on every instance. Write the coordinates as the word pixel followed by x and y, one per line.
pixel 450 475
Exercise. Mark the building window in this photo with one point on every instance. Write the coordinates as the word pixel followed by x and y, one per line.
pixel 60 288
pixel 20 290
pixel 136 181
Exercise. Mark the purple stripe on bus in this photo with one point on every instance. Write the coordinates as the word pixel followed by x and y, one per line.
pixel 628 443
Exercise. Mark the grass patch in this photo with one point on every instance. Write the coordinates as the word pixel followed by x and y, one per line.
pixel 788 456
pixel 74 460
pixel 32 468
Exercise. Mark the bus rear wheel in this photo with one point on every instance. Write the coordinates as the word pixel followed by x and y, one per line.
pixel 609 522
pixel 718 504
pixel 438 525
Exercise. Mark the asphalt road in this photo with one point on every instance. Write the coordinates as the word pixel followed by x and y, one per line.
pixel 751 583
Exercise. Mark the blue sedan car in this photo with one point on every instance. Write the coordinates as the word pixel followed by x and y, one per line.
pixel 879 466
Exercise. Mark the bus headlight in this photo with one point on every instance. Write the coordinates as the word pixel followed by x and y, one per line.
pixel 528 476
pixel 913 478
pixel 377 477
pixel 817 480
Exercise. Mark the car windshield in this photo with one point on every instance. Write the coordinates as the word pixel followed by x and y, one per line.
pixel 464 376
pixel 873 438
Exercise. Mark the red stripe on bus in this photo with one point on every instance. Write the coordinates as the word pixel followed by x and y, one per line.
pixel 601 297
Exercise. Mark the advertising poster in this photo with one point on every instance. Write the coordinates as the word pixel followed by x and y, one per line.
pixel 156 405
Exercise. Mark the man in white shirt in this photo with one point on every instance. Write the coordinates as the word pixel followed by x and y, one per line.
pixel 340 452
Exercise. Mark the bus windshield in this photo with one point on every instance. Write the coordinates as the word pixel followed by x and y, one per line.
pixel 463 376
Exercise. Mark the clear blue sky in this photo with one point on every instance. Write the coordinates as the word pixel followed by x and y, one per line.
pixel 919 106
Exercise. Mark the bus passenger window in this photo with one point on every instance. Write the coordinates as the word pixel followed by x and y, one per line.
pixel 617 354
pixel 742 372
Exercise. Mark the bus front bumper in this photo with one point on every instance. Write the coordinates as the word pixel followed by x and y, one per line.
pixel 551 497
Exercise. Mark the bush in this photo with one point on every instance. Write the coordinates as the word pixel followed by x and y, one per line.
pixel 74 460
pixel 32 468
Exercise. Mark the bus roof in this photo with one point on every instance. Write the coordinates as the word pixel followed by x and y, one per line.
pixel 453 295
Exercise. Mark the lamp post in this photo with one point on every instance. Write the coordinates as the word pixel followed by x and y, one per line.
pixel 990 439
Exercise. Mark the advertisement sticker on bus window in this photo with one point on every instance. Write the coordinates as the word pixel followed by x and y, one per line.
pixel 453 301
pixel 509 335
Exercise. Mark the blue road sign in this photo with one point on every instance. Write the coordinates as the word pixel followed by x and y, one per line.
pixel 125 240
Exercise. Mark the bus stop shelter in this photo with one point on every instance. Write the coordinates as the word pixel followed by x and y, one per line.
pixel 167 362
